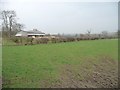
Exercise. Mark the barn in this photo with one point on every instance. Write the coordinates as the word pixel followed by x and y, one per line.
pixel 32 33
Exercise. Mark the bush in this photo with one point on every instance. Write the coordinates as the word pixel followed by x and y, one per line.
pixel 15 39
pixel 29 41
pixel 44 40
pixel 78 39
pixel 40 41
pixel 22 40
pixel 36 41
pixel 70 39
pixel 54 40
pixel 63 39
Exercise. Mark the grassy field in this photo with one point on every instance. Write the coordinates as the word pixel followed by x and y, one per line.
pixel 59 65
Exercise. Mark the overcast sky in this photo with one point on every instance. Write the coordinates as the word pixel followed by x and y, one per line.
pixel 65 16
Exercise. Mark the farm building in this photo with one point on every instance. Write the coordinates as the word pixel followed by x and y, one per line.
pixel 32 33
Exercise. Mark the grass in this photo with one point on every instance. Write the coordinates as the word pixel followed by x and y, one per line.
pixel 29 66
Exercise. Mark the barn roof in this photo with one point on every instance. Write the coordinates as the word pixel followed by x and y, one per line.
pixel 31 32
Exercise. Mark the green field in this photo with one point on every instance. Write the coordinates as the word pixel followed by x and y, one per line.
pixel 43 65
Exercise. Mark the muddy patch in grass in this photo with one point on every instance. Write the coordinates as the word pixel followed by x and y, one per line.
pixel 90 73
pixel 101 74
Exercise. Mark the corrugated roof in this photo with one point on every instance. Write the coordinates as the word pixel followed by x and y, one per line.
pixel 32 32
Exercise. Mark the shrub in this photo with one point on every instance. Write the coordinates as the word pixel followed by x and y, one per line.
pixel 44 40
pixel 78 39
pixel 22 40
pixel 40 41
pixel 15 39
pixel 70 39
pixel 36 41
pixel 63 39
pixel 29 41
pixel 53 40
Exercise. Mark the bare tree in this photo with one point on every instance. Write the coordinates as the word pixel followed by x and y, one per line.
pixel 88 33
pixel 3 15
pixel 105 34
pixel 9 18
pixel 18 27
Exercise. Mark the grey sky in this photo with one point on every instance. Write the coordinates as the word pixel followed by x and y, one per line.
pixel 66 17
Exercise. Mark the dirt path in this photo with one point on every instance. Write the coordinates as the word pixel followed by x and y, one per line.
pixel 103 75
pixel 89 74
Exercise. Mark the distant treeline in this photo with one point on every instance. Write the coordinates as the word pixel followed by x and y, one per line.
pixel 61 38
